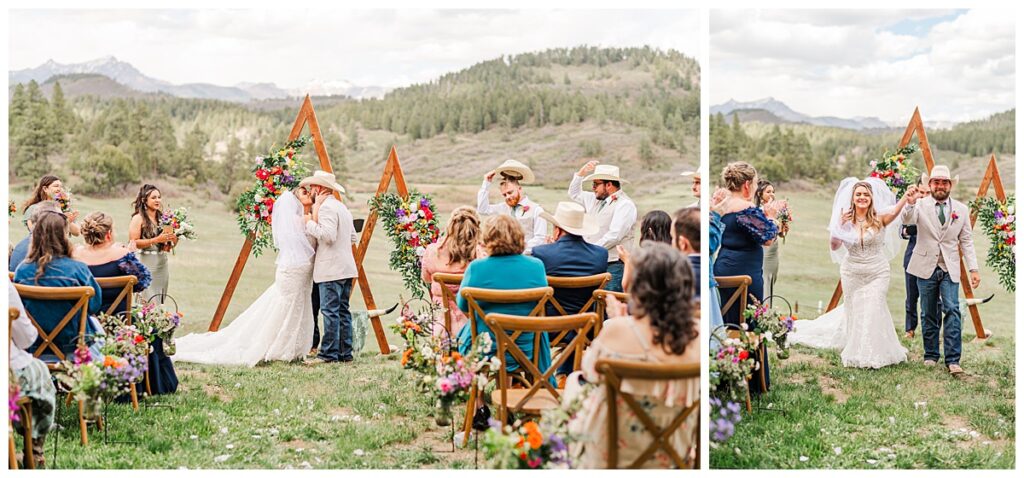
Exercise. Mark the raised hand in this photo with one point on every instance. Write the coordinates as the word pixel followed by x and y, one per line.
pixel 490 175
pixel 847 216
pixel 588 168
pixel 771 210
pixel 615 308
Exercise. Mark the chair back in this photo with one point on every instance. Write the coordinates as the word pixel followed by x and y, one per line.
pixel 615 372
pixel 446 281
pixel 596 281
pixel 79 295
pixel 600 298
pixel 507 328
pixel 475 295
pixel 126 284
pixel 739 296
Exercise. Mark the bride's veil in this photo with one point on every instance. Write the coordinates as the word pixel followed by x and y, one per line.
pixel 883 199
pixel 293 248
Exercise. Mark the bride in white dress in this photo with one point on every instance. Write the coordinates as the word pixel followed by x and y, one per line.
pixel 863 230
pixel 278 325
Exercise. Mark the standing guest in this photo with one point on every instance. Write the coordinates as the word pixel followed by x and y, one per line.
pixel 20 251
pixel 49 264
pixel 46 189
pixel 614 210
pixel 662 329
pixel 715 231
pixel 152 244
pixel 33 378
pixel 765 195
pixel 517 205
pixel 747 229
pixel 451 254
pixel 656 226
pixel 694 186
pixel 686 239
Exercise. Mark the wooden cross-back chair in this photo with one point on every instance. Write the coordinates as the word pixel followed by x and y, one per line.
pixel 615 372
pixel 540 395
pixel 447 296
pixel 595 282
pixel 739 298
pixel 600 298
pixel 25 411
pixel 126 295
pixel 474 296
pixel 80 296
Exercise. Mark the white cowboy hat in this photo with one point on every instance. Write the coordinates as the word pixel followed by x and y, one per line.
pixel 940 171
pixel 325 179
pixel 694 173
pixel 572 218
pixel 605 172
pixel 515 170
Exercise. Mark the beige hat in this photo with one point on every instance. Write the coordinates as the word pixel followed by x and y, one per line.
pixel 605 172
pixel 325 179
pixel 940 172
pixel 694 173
pixel 572 218
pixel 515 170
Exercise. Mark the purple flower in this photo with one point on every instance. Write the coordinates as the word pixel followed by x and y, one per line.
pixel 722 429
pixel 491 422
pixel 424 203
pixel 400 213
pixel 999 214
pixel 557 445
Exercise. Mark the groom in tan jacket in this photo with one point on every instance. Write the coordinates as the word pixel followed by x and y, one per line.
pixel 943 226
pixel 334 267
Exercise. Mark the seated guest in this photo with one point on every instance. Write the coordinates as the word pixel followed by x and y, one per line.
pixel 571 256
pixel 662 329
pixel 686 238
pixel 105 258
pixel 20 251
pixel 33 378
pixel 505 268
pixel 49 264
pixel 655 227
pixel 459 246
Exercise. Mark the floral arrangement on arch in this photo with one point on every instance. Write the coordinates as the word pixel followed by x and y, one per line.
pixel 412 225
pixel 894 169
pixel 999 221
pixel 275 172
pixel 154 322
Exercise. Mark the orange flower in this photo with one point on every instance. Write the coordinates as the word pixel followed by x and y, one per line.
pixel 109 361
pixel 456 356
pixel 406 356
pixel 533 435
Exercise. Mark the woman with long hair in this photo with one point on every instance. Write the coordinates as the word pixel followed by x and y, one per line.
pixel 152 244
pixel 764 196
pixel 656 226
pixel 451 254
pixel 47 189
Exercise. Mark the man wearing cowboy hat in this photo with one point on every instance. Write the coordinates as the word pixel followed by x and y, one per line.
pixel 571 256
pixel 614 211
pixel 695 186
pixel 334 267
pixel 516 204
pixel 943 227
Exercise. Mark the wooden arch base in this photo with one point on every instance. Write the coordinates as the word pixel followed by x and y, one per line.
pixel 916 125
pixel 308 116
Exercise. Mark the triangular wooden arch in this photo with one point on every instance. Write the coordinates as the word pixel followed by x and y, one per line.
pixel 306 116
pixel 916 125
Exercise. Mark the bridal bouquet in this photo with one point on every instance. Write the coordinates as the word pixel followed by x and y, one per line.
pixel 275 172
pixel 1000 225
pixel 894 169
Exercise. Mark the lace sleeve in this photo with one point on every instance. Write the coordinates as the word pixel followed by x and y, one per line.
pixel 755 223
pixel 130 265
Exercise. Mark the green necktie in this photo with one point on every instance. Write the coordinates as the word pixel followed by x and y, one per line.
pixel 942 213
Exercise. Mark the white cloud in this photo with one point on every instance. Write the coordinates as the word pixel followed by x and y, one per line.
pixel 367 47
pixel 878 63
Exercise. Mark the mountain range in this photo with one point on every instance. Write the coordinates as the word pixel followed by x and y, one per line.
pixel 785 114
pixel 126 74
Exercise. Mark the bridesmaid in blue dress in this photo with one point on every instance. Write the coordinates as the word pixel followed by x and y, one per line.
pixel 747 229
pixel 105 258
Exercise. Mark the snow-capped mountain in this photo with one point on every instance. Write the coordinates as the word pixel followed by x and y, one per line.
pixel 780 110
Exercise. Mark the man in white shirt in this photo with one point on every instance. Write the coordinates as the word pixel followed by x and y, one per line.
pixel 615 212
pixel 694 187
pixel 516 204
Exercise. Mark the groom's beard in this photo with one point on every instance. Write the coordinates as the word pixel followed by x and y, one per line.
pixel 939 195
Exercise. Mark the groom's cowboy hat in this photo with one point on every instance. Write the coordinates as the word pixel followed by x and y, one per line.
pixel 572 218
pixel 605 172
pixel 940 172
pixel 515 170
pixel 325 179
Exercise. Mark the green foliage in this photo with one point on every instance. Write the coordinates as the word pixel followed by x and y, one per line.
pixel 647 154
pixel 995 134
pixel 105 171
pixel 591 147
pixel 998 222
pixel 412 225
pixel 278 170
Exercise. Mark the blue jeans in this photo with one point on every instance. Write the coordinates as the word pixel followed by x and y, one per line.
pixel 910 322
pixel 933 289
pixel 336 342
pixel 615 269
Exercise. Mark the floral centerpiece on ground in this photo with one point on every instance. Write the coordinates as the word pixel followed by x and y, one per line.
pixel 894 169
pixel 770 324
pixel 730 366
pixel 156 323
pixel 412 225
pixel 533 445
pixel 458 374
pixel 999 221
pixel 275 172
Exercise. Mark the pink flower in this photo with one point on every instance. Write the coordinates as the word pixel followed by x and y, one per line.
pixel 444 385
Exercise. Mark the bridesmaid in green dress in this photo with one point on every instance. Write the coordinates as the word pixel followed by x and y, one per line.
pixel 765 195
pixel 153 246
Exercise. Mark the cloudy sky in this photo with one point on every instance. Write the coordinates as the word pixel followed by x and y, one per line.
pixel 956 65
pixel 291 47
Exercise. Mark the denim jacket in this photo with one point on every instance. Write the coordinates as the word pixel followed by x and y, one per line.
pixel 61 272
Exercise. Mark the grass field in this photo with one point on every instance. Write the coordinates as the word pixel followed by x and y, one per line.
pixel 281 415
pixel 822 415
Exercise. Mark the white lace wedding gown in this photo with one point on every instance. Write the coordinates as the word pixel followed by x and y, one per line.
pixel 862 326
pixel 279 324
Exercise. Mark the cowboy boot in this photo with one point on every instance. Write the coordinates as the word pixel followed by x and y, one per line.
pixel 37 451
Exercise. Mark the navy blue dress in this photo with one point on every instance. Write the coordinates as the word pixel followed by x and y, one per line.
pixel 162 378
pixel 742 254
